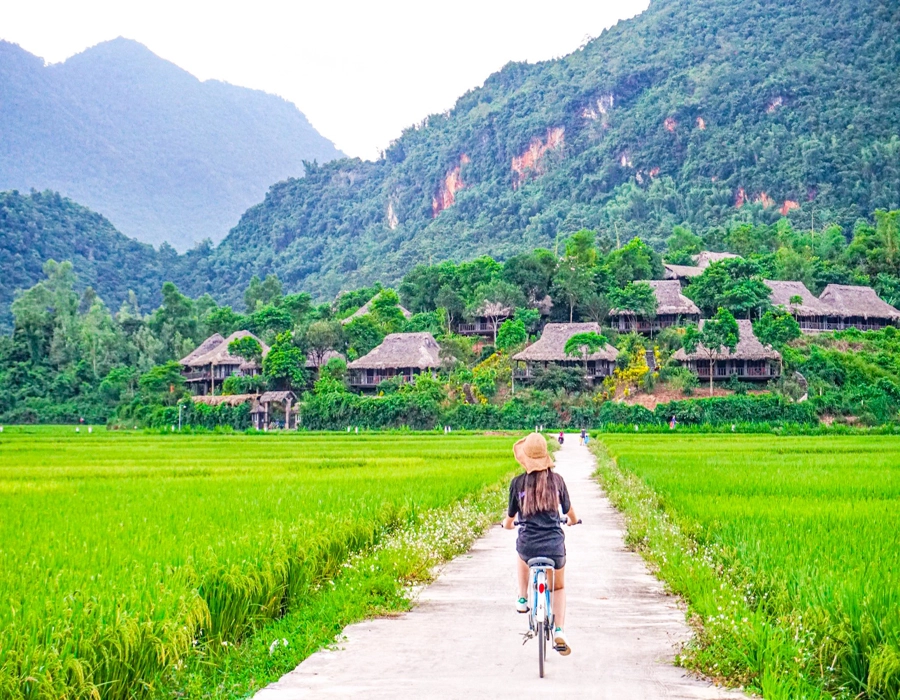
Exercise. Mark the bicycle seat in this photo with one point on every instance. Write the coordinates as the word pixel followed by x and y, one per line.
pixel 541 561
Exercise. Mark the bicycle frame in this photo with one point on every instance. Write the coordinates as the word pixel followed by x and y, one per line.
pixel 541 606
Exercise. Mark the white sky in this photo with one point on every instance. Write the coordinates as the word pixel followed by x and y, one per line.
pixel 360 71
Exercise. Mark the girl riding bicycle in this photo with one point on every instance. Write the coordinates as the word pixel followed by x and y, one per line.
pixel 536 497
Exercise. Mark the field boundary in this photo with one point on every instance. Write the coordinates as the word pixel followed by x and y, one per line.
pixel 378 581
pixel 733 644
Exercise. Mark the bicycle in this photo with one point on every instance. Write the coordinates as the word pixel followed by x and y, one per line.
pixel 540 618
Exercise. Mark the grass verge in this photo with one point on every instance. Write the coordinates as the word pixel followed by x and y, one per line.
pixel 736 643
pixel 372 583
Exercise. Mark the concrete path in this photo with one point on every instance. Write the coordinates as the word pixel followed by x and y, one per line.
pixel 464 638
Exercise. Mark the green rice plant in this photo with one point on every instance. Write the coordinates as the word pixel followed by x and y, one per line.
pixel 786 548
pixel 123 556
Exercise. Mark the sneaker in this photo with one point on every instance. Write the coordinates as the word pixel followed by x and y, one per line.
pixel 560 643
pixel 522 605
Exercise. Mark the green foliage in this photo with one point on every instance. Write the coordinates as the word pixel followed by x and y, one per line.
pixel 776 328
pixel 150 515
pixel 247 348
pixel 783 548
pixel 584 344
pixel 263 293
pixel 235 384
pixel 511 334
pixel 284 365
pixel 363 334
pixel 634 261
pixel 636 297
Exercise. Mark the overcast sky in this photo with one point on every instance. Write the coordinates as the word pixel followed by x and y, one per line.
pixel 360 71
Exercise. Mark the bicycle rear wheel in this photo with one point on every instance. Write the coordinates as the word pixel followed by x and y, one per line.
pixel 542 642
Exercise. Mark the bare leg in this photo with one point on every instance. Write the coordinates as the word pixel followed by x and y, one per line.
pixel 559 596
pixel 522 575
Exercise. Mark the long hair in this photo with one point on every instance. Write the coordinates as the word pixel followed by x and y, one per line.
pixel 541 493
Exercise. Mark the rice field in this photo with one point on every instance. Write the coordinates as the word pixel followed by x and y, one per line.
pixel 121 555
pixel 787 549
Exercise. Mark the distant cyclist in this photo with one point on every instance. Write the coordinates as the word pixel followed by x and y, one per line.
pixel 536 497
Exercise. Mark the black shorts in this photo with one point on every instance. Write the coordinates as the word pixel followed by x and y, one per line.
pixel 559 560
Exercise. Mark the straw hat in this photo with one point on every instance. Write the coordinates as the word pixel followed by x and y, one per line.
pixel 531 452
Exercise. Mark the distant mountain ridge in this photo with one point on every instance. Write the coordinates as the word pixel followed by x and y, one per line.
pixel 162 155
pixel 697 112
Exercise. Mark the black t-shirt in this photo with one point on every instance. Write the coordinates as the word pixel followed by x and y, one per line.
pixel 542 535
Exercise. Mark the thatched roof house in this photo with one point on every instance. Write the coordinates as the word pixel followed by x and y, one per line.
pixel 230 400
pixel 783 292
pixel 858 307
pixel 211 362
pixel 326 356
pixel 211 353
pixel 681 273
pixel 550 349
pixel 400 354
pixel 750 359
pixel 705 258
pixel 672 308
pixel 367 308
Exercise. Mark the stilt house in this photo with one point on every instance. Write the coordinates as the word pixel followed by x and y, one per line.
pixel 751 360
pixel 403 355
pixel 672 309
pixel 211 364
pixel 550 350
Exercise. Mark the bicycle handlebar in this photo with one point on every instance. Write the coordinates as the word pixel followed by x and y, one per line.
pixel 561 521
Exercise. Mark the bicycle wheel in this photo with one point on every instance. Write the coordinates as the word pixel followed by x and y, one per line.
pixel 542 646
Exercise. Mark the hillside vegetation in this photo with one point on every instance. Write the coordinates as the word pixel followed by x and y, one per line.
pixel 45 226
pixel 697 113
pixel 161 154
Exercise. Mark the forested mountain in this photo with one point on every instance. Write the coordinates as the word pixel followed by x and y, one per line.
pixel 696 112
pixel 162 155
pixel 45 226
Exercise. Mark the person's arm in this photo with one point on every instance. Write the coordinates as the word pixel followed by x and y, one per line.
pixel 513 507
pixel 566 504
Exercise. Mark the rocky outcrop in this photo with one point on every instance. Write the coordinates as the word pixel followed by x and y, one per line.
pixel 531 162
pixel 452 184
pixel 789 205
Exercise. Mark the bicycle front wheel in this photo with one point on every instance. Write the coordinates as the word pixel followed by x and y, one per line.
pixel 541 647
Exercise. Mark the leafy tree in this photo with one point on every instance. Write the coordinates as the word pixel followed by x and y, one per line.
pixel 682 246
pixel 495 301
pixel 572 284
pixel 321 338
pixel 386 312
pixel 284 365
pixel 530 318
pixel 595 307
pixel 717 335
pixel 270 321
pixel 531 272
pixel 634 261
pixel 297 305
pixel 511 334
pixel 225 321
pixel 163 385
pixel 453 304
pixel 247 348
pixel 263 293
pixel 584 344
pixel 636 297
pixel 363 335
pixel 580 248
pixel 777 328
